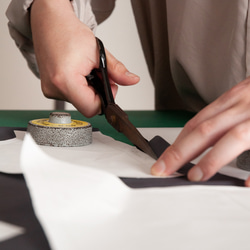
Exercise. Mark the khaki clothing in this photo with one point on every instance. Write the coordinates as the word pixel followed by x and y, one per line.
pixel 195 50
pixel 209 46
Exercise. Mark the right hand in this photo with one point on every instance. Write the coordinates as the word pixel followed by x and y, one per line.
pixel 66 52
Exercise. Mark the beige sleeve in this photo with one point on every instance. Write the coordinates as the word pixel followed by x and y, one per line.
pixel 20 30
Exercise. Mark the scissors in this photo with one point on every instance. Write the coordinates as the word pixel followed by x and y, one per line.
pixel 98 79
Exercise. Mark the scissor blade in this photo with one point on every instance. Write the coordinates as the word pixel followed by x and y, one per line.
pixel 119 120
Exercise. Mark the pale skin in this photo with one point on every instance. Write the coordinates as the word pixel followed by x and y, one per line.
pixel 222 125
pixel 66 52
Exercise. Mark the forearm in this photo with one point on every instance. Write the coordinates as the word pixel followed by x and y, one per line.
pixel 47 8
pixel 49 19
pixel 18 14
pixel 58 37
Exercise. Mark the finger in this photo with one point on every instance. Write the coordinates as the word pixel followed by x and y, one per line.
pixel 118 72
pixel 83 97
pixel 223 103
pixel 224 151
pixel 51 92
pixel 188 147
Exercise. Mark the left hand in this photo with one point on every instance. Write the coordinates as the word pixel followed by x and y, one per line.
pixel 223 125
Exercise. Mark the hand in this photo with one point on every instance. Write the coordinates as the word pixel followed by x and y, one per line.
pixel 223 125
pixel 66 52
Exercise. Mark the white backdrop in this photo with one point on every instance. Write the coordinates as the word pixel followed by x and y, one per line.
pixel 19 89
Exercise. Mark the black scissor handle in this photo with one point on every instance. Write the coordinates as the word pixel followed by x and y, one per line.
pixel 104 71
pixel 98 78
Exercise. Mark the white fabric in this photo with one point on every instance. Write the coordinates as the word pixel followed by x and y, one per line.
pixel 105 154
pixel 85 208
pixel 10 154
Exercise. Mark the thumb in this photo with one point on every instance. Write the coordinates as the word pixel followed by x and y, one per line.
pixel 118 72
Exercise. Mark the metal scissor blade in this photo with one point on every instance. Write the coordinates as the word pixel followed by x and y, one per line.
pixel 114 114
pixel 119 120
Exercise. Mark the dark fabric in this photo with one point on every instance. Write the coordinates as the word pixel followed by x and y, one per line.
pixel 217 180
pixel 16 208
pixel 7 133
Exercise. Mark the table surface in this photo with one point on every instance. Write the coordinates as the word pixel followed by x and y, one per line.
pixel 16 207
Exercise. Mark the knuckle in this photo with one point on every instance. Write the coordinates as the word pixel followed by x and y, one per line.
pixel 191 125
pixel 229 95
pixel 205 128
pixel 240 90
pixel 174 153
pixel 89 113
pixel 241 133
pixel 232 92
pixel 47 92
pixel 236 90
pixel 58 79
pixel 210 167
pixel 52 86
pixel 118 66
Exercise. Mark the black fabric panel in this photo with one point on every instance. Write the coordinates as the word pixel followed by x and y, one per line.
pixel 159 145
pixel 217 180
pixel 16 208
pixel 7 133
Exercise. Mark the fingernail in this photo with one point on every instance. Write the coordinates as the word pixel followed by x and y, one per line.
pixel 158 168
pixel 195 174
pixel 131 75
